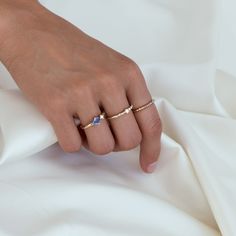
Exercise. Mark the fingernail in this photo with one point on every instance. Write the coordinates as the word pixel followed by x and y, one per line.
pixel 151 167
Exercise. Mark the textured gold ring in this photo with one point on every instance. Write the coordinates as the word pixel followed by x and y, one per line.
pixel 125 111
pixel 95 121
pixel 144 106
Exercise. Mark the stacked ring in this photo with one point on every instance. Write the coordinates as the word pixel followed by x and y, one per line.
pixel 95 121
pixel 125 111
pixel 144 106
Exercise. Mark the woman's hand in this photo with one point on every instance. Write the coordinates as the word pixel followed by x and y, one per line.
pixel 67 73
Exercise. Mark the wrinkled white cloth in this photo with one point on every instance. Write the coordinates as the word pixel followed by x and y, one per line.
pixel 186 51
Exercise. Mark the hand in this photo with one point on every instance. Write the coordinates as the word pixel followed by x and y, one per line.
pixel 67 73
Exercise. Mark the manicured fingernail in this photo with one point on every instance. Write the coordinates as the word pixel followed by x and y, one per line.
pixel 152 167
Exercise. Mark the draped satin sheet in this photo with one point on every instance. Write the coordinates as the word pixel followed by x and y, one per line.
pixel 186 52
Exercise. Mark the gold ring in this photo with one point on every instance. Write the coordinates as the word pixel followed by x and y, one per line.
pixel 144 106
pixel 125 111
pixel 95 121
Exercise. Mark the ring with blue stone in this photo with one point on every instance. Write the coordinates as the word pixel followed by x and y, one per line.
pixel 95 121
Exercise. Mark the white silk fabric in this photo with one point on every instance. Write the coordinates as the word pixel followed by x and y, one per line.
pixel 186 50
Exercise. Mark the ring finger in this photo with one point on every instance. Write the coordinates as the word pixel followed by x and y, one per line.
pixel 124 128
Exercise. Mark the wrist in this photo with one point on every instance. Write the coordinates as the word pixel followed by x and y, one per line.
pixel 15 16
pixel 11 9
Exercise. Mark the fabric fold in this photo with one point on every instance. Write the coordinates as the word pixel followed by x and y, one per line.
pixel 183 49
pixel 24 130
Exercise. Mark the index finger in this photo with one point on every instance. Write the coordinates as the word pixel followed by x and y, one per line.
pixel 148 120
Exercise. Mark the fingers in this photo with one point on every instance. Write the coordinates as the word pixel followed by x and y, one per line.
pixel 125 129
pixel 122 133
pixel 99 138
pixel 66 131
pixel 150 125
pixel 148 120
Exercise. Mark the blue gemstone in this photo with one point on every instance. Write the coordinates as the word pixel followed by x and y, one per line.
pixel 96 120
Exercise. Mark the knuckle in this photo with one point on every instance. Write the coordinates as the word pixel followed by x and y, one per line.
pixel 154 127
pixel 55 103
pixel 110 85
pixel 134 74
pixel 71 147
pixel 131 141
pixel 103 148
pixel 132 69
pixel 111 88
pixel 82 89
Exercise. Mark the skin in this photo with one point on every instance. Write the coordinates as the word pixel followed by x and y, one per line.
pixel 66 73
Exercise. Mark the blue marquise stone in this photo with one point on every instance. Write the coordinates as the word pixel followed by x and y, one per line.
pixel 96 120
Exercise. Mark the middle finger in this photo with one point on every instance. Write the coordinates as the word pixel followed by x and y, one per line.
pixel 124 128
pixel 99 137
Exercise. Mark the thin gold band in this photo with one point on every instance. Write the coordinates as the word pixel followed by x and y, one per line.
pixel 125 111
pixel 144 106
